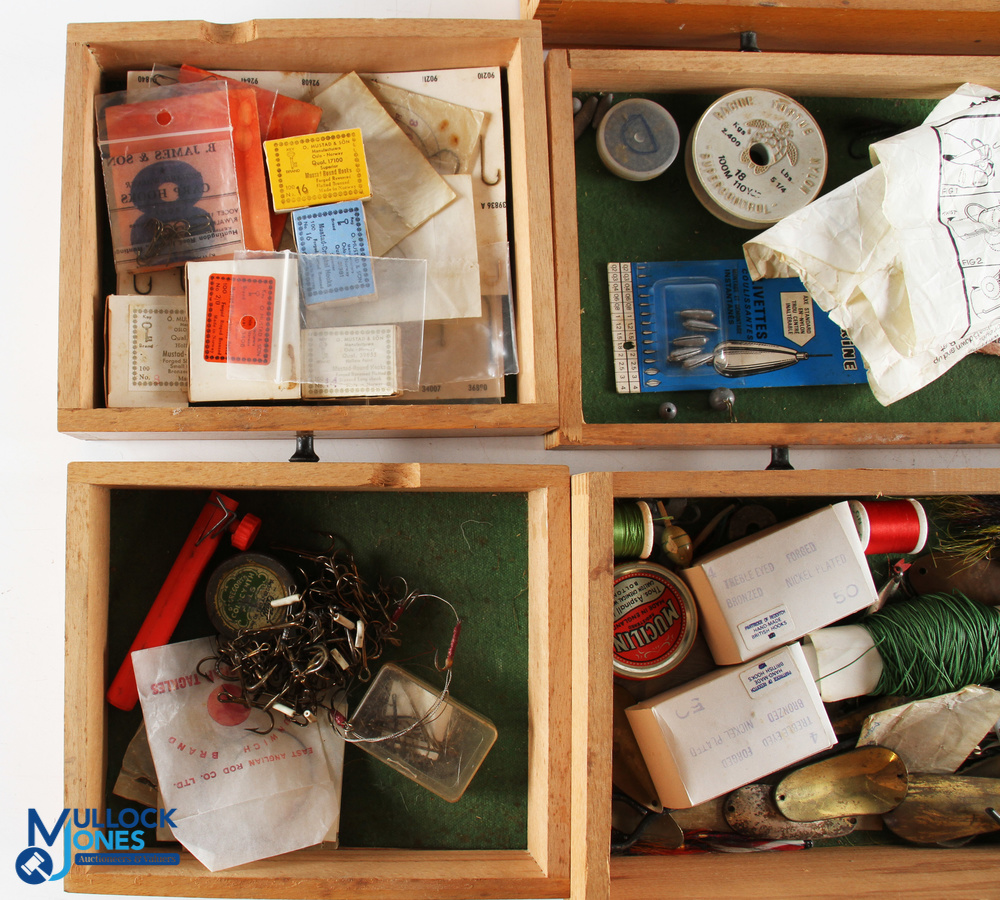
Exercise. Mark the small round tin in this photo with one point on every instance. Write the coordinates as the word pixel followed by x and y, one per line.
pixel 240 591
pixel 637 139
pixel 655 620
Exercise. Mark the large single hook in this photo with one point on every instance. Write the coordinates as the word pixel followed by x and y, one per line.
pixel 482 166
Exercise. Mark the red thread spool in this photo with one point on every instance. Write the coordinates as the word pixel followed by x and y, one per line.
pixel 890 526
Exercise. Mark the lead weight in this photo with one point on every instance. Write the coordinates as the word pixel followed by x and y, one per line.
pixel 684 353
pixel 696 361
pixel 603 105
pixel 584 117
pixel 699 325
pixel 705 314
pixel 690 340
pixel 721 398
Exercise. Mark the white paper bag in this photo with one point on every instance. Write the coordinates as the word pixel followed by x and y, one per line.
pixel 238 796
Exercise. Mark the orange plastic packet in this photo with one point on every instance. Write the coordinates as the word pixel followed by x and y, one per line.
pixel 170 176
pixel 251 177
pixel 279 117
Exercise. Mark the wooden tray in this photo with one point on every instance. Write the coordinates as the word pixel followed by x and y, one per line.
pixel 862 26
pixel 689 72
pixel 888 871
pixel 540 868
pixel 97 59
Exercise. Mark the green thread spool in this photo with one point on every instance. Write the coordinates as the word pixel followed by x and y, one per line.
pixel 633 529
pixel 935 644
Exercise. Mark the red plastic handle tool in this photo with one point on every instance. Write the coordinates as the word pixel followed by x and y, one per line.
pixel 163 616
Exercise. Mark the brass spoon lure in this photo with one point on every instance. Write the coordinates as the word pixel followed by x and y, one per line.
pixel 863 781
pixel 940 808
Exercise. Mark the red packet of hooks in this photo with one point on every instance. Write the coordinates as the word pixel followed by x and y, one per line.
pixel 251 179
pixel 170 176
pixel 279 117
pixel 239 318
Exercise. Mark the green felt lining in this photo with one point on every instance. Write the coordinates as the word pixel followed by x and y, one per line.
pixel 470 548
pixel 661 219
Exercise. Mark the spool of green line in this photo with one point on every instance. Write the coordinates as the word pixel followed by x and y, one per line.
pixel 633 529
pixel 935 644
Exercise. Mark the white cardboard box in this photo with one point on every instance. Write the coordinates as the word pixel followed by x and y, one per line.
pixel 778 585
pixel 272 334
pixel 731 727
pixel 147 351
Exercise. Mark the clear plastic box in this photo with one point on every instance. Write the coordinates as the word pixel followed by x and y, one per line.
pixel 422 732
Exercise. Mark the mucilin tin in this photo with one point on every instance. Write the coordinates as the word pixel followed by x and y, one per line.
pixel 655 620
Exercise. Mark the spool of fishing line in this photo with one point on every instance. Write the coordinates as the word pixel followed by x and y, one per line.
pixel 890 526
pixel 935 644
pixel 931 645
pixel 633 529
pixel 755 156
pixel 240 590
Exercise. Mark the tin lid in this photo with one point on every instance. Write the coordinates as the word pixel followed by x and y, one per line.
pixel 638 139
pixel 655 620
pixel 240 590
pixel 754 157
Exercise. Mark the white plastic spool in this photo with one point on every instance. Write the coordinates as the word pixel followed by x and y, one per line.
pixel 755 156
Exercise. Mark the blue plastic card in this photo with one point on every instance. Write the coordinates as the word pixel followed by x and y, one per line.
pixel 681 326
pixel 343 269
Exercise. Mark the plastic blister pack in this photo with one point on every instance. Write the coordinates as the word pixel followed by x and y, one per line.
pixel 475 349
pixel 705 324
pixel 691 310
pixel 370 345
pixel 366 345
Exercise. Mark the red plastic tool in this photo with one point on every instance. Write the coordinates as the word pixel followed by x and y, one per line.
pixel 217 518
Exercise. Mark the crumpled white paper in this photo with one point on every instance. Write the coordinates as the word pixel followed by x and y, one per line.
pixel 238 796
pixel 906 257
pixel 935 736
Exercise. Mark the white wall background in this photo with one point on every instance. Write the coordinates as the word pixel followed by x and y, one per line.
pixel 34 456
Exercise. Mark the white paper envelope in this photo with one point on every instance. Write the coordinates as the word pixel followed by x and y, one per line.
pixel 239 796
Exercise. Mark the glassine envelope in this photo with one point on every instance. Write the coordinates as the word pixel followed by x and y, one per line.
pixel 238 796
pixel 479 89
pixel 448 242
pixel 406 190
pixel 936 735
pixel 446 133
